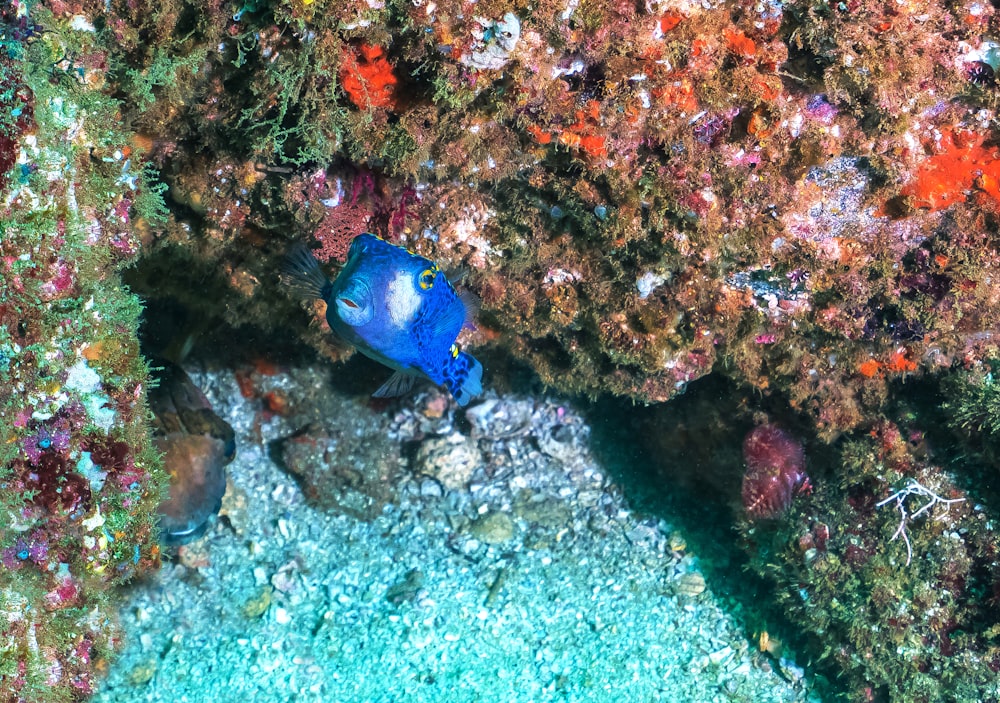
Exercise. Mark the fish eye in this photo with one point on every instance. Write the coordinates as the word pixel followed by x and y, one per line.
pixel 426 279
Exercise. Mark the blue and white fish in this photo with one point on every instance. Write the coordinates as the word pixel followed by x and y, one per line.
pixel 397 308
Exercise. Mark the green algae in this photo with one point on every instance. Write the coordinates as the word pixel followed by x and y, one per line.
pixel 73 372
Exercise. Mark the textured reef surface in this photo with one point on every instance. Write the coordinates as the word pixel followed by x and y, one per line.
pixel 799 199
pixel 78 481
pixel 800 196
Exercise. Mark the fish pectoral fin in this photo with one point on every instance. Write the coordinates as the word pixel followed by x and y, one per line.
pixel 472 304
pixel 447 321
pixel 398 384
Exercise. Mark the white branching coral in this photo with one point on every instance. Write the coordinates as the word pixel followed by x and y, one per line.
pixel 915 488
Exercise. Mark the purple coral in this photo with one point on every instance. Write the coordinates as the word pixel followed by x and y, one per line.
pixel 775 471
pixel 60 490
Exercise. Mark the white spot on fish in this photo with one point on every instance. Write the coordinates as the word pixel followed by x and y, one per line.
pixel 402 299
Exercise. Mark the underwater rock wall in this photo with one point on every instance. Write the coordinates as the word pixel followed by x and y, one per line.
pixel 884 565
pixel 800 196
pixel 78 481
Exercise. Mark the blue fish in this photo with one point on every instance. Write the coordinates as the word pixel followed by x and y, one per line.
pixel 397 308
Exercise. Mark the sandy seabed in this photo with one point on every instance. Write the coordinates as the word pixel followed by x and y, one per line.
pixel 500 562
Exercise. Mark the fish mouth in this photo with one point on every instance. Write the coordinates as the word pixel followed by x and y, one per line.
pixel 354 302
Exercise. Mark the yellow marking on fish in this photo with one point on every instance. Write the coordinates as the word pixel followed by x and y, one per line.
pixel 427 278
pixel 454 351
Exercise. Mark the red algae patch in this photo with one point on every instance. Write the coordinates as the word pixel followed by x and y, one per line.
pixel 961 165
pixel 368 78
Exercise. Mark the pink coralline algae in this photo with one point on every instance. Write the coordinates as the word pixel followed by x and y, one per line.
pixel 34 548
pixel 775 472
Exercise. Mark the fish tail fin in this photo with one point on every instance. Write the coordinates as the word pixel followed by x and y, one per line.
pixel 464 378
pixel 301 273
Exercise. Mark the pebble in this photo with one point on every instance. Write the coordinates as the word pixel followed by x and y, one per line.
pixel 450 460
pixel 430 488
pixel 721 655
pixel 257 606
pixel 542 510
pixel 234 507
pixel 561 443
pixel 143 673
pixel 493 528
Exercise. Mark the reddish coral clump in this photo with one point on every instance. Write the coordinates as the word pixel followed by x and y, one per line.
pixel 870 368
pixel 58 487
pixel 276 402
pixel 740 44
pixel 961 165
pixel 540 135
pixel 668 21
pixel 109 454
pixel 338 229
pixel 583 134
pixel 368 78
pixel 244 380
pixel 775 471
pixel 899 362
pixel 679 93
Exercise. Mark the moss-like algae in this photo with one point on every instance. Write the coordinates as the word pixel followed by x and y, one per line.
pixel 79 483
pixel 903 616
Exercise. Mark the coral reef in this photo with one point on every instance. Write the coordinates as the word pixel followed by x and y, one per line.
pixel 798 196
pixel 801 197
pixel 891 570
pixel 79 483
pixel 641 195
pixel 886 573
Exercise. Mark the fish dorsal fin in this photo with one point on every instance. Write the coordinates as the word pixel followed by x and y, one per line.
pixel 456 277
pixel 398 384
pixel 472 304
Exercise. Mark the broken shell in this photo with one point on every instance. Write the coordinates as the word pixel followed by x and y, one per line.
pixel 691 584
